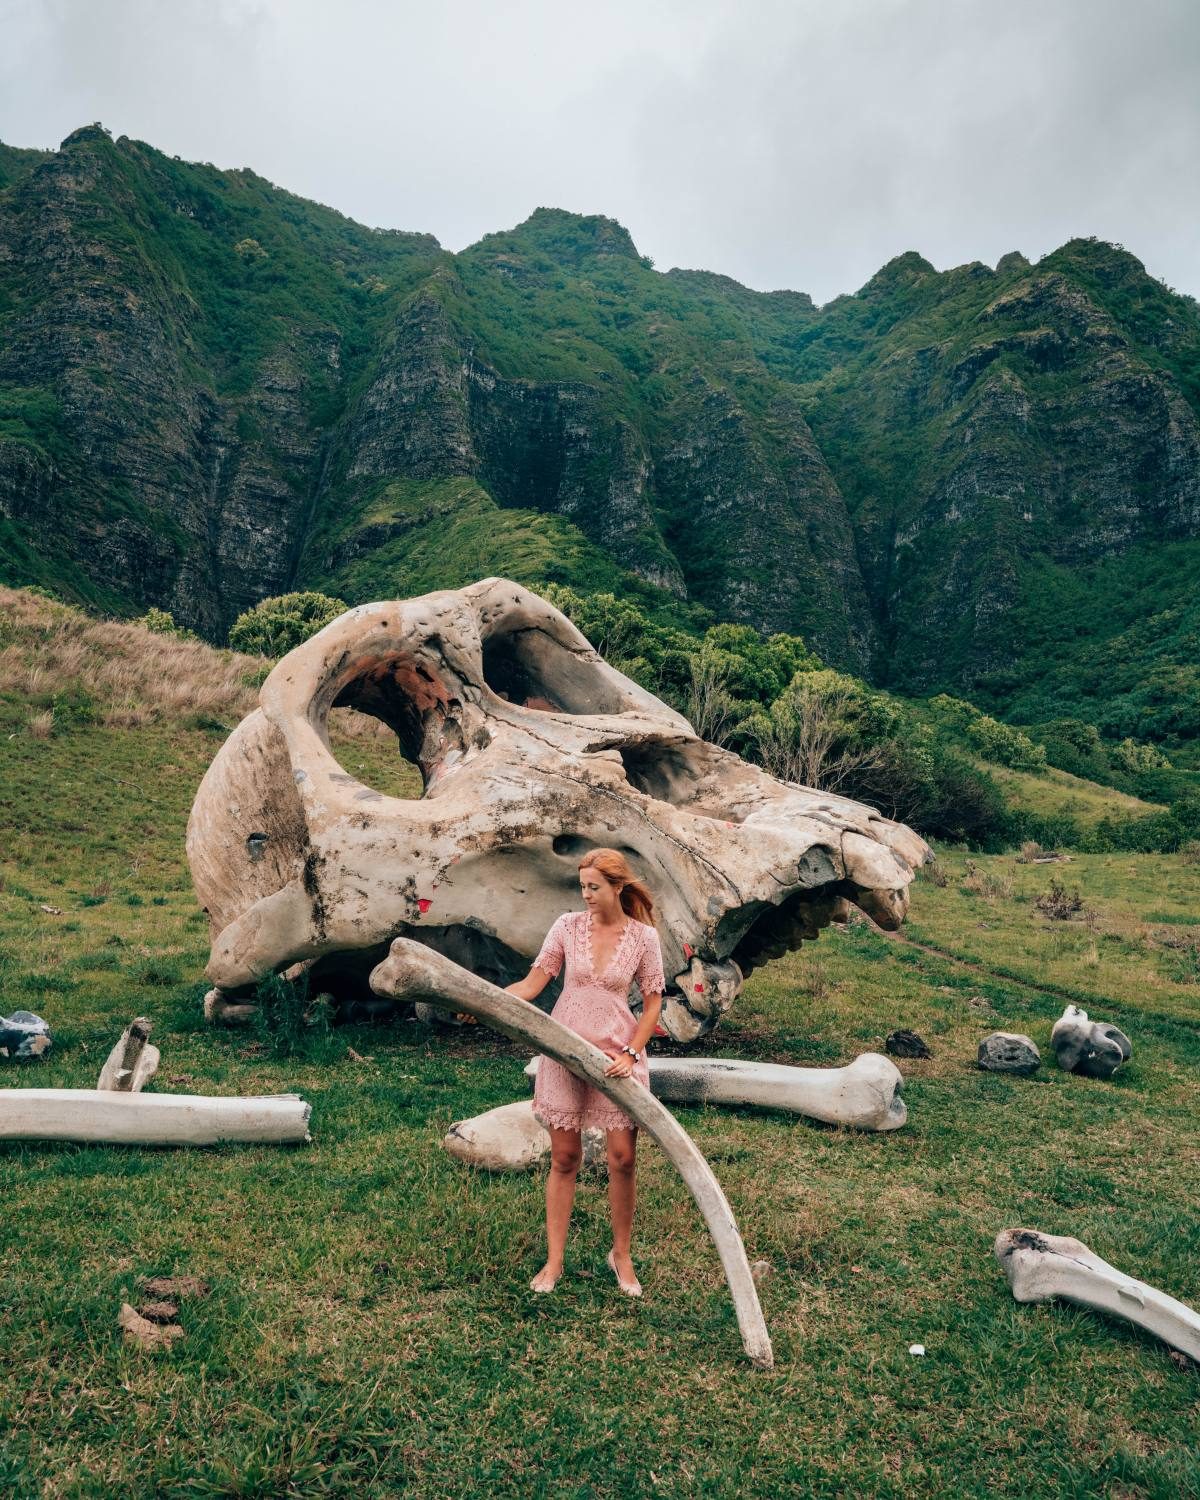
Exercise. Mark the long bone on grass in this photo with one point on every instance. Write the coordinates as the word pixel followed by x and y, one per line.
pixel 412 971
pixel 1040 1267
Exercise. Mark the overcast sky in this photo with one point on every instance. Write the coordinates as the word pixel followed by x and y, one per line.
pixel 797 144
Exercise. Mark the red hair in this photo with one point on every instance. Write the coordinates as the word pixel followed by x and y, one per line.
pixel 636 900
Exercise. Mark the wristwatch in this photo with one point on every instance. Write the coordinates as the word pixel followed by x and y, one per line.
pixel 637 1056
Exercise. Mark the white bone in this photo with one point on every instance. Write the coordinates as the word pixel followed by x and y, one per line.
pixel 865 1094
pixel 412 971
pixel 1042 1266
pixel 149 1119
pixel 532 750
pixel 133 1062
pixel 509 1139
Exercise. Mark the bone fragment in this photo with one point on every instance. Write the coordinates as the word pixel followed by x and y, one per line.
pixel 150 1119
pixel 1043 1266
pixel 132 1062
pixel 412 971
pixel 222 1012
pixel 865 1094
pixel 510 1139
pixel 1093 1048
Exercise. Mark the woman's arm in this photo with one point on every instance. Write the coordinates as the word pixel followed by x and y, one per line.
pixel 531 986
pixel 622 1064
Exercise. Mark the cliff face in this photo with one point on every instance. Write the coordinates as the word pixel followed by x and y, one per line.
pixel 211 391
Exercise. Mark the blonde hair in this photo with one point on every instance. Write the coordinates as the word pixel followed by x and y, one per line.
pixel 636 900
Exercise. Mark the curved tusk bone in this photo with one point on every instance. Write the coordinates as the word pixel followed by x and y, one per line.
pixel 865 1094
pixel 412 970
pixel 1042 1266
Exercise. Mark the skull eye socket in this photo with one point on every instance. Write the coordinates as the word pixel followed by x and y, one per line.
pixel 530 668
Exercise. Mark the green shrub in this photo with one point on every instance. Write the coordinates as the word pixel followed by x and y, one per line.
pixel 162 622
pixel 278 625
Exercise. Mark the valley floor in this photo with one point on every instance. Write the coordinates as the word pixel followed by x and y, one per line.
pixel 369 1330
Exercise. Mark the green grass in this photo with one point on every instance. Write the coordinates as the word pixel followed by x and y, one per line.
pixel 369 1330
pixel 1051 793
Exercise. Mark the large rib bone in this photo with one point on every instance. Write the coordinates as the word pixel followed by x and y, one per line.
pixel 865 1094
pixel 1042 1266
pixel 412 971
pixel 149 1119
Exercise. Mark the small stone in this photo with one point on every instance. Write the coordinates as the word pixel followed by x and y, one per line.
pixel 159 1312
pixel 760 1270
pixel 176 1286
pixel 144 1333
pixel 917 1349
pixel 981 1005
pixel 23 1036
pixel 1009 1052
pixel 906 1044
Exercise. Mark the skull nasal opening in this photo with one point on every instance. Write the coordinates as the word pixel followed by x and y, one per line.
pixel 530 668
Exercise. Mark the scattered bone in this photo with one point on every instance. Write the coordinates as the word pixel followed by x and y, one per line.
pixel 23 1036
pixel 132 1062
pixel 510 1139
pixel 412 971
pixel 52 911
pixel 1093 1048
pixel 1043 1266
pixel 150 1119
pixel 906 1044
pixel 145 1334
pixel 532 751
pixel 865 1094
pixel 159 1312
pixel 1009 1052
pixel 176 1286
pixel 219 1011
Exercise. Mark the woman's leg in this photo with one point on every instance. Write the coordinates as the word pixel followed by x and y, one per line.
pixel 622 1192
pixel 566 1152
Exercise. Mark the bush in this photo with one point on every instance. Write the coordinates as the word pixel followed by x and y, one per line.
pixel 1059 904
pixel 162 622
pixel 278 625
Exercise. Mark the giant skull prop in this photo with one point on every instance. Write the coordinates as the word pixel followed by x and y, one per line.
pixel 532 751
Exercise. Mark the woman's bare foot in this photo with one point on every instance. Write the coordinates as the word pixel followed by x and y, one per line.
pixel 622 1268
pixel 546 1279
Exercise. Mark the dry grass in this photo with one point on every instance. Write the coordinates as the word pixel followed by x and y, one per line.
pixel 64 663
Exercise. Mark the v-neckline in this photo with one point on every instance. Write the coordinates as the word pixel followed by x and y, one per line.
pixel 612 957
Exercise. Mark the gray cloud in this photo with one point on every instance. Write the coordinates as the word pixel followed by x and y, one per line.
pixel 796 144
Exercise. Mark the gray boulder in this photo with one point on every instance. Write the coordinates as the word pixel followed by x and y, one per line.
pixel 1009 1052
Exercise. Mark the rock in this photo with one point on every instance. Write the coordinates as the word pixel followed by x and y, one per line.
pixel 1093 1048
pixel 23 1035
pixel 175 1286
pixel 1009 1052
pixel 159 1312
pixel 145 1334
pixel 906 1044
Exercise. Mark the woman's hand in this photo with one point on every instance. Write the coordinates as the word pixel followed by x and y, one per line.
pixel 620 1066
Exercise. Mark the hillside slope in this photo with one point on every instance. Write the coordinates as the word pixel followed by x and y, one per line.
pixel 211 391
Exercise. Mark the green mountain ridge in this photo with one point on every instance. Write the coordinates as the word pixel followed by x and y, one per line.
pixel 979 480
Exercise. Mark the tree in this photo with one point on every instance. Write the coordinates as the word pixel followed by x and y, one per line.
pixel 278 625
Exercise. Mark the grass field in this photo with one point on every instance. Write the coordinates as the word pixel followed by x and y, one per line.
pixel 369 1328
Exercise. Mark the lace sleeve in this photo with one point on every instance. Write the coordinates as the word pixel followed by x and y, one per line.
pixel 649 973
pixel 550 959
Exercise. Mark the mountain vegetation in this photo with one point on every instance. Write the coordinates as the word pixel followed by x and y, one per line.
pixel 983 482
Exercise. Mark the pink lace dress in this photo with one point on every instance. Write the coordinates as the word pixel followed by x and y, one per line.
pixel 597 1007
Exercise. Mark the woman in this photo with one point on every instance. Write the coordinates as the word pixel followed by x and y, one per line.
pixel 604 947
